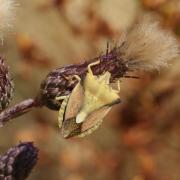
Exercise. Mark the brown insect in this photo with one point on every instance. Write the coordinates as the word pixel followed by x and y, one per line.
pixel 83 111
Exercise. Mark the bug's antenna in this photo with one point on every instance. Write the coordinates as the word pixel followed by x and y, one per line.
pixel 92 64
pixel 135 77
pixel 107 48
pixel 77 77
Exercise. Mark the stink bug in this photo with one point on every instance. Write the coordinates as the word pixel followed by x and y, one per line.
pixel 82 112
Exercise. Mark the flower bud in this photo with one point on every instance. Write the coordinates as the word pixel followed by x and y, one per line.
pixel 17 162
pixel 6 85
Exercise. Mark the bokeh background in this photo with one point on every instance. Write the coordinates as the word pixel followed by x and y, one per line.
pixel 140 138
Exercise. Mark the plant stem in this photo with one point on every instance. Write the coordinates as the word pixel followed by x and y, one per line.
pixel 18 110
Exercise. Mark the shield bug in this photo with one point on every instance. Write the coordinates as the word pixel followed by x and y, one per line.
pixel 82 112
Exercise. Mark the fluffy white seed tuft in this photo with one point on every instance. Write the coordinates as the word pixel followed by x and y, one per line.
pixel 6 15
pixel 148 47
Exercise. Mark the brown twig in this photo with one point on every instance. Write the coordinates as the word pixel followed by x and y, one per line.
pixel 18 110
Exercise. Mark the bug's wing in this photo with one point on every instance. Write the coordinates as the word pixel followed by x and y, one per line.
pixel 75 102
pixel 70 128
pixel 61 111
pixel 94 120
pixel 91 130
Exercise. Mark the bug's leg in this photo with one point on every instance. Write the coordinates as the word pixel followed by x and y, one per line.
pixel 77 77
pixel 117 88
pixel 59 98
pixel 107 48
pixel 92 64
pixel 62 108
pixel 118 85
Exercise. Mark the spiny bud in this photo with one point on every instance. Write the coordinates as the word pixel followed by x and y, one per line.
pixel 17 162
pixel 146 47
pixel 6 85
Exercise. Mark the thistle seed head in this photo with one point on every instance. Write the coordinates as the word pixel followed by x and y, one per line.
pixel 18 161
pixel 6 86
pixel 60 82
pixel 146 47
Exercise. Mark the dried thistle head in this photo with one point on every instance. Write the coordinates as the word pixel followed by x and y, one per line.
pixel 60 82
pixel 17 162
pixel 6 85
pixel 146 47
pixel 6 15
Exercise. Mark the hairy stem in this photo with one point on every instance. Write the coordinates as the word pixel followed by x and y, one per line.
pixel 18 110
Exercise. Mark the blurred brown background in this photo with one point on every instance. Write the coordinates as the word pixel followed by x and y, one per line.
pixel 140 138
